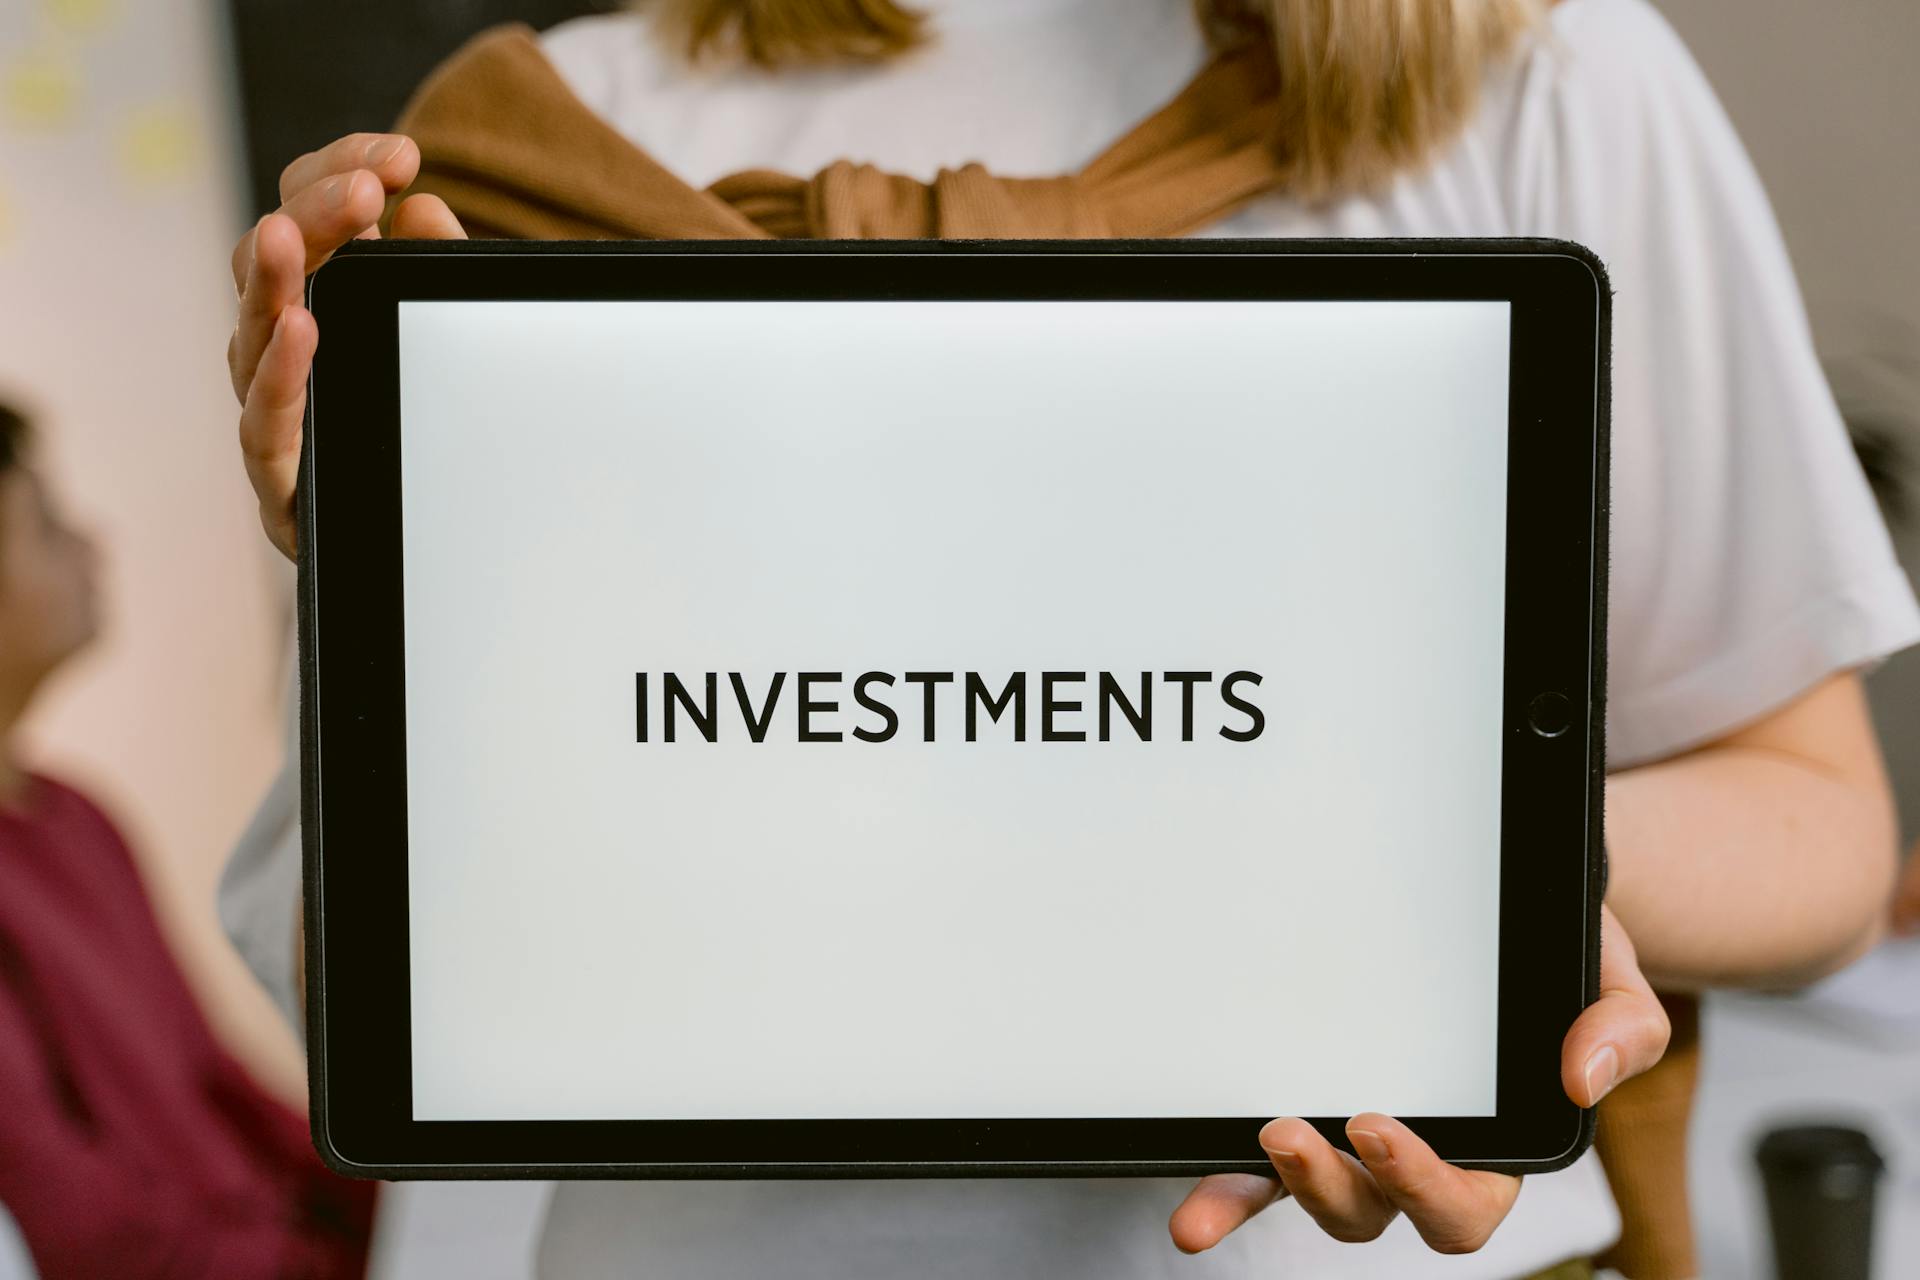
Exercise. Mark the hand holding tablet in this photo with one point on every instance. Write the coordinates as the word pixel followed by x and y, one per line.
pixel 1455 1210
pixel 517 1120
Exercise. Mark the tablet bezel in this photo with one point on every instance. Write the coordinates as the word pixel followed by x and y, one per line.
pixel 353 798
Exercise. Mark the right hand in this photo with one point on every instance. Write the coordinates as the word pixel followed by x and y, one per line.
pixel 327 197
pixel 1355 1198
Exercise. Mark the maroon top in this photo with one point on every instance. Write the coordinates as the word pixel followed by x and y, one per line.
pixel 131 1144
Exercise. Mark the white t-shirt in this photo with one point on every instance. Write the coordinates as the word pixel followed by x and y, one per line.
pixel 1748 561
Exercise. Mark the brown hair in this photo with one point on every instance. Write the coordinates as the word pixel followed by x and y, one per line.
pixel 1368 88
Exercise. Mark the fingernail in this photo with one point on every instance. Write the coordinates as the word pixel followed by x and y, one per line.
pixel 1370 1146
pixel 1273 1135
pixel 1288 1160
pixel 381 151
pixel 1603 1072
pixel 338 190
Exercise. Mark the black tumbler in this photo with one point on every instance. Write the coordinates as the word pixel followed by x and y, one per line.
pixel 1820 1182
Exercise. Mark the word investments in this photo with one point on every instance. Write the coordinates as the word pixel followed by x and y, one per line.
pixel 1071 706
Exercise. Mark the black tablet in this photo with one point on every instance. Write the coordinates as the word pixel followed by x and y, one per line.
pixel 1015 708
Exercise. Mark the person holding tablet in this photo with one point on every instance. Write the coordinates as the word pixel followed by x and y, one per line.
pixel 1748 815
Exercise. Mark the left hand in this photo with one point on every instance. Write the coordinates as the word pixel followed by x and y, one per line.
pixel 1455 1210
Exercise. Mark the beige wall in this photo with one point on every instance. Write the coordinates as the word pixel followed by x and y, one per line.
pixel 1827 99
pixel 118 200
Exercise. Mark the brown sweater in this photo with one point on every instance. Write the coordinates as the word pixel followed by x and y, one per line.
pixel 513 152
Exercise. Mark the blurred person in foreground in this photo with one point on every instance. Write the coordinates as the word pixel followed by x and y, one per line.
pixel 131 1144
pixel 1748 815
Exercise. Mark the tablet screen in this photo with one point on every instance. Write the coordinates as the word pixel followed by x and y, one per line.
pixel 953 709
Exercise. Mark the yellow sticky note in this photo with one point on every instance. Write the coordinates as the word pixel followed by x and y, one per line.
pixel 157 143
pixel 81 15
pixel 41 90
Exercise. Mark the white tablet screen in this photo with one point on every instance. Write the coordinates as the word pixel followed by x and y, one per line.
pixel 1241 898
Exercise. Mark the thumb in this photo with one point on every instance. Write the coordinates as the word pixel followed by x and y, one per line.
pixel 1623 1032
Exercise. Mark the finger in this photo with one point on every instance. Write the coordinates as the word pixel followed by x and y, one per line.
pixel 329 213
pixel 270 424
pixel 334 211
pixel 426 217
pixel 1218 1205
pixel 274 281
pixel 1330 1185
pixel 391 157
pixel 1619 1035
pixel 1454 1210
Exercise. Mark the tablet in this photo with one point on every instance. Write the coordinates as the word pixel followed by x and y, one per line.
pixel 985 708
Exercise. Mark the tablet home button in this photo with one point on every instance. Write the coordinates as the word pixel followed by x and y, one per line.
pixel 1550 714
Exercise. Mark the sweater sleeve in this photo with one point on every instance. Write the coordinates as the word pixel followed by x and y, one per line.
pixel 84 1212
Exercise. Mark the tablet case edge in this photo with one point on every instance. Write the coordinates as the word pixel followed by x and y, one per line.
pixel 306 611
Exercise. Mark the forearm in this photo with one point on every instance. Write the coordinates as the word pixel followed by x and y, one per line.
pixel 1743 865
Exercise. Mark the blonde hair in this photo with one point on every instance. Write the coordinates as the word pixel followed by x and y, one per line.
pixel 1367 88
